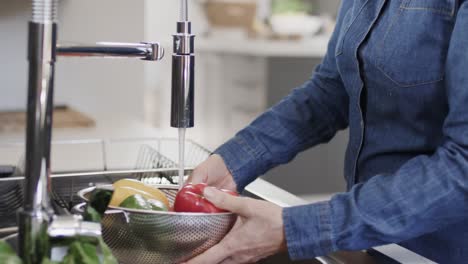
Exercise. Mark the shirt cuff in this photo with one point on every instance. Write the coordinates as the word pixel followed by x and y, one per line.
pixel 308 230
pixel 242 159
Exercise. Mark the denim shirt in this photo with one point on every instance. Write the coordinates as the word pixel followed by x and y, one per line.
pixel 396 75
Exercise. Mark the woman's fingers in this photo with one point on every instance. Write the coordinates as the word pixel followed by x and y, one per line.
pixel 229 261
pixel 227 201
pixel 257 233
pixel 213 255
pixel 198 175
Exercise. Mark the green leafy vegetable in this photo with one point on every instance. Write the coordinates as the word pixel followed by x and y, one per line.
pixel 81 250
pixel 108 258
pixel 5 248
pixel 81 253
pixel 8 255
pixel 85 250
pixel 100 199
pixel 10 259
pixel 42 243
pixel 90 214
pixel 48 261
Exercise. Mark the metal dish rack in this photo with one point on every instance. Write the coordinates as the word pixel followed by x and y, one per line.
pixel 152 160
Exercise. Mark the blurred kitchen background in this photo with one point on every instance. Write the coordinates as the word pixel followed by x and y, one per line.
pixel 250 54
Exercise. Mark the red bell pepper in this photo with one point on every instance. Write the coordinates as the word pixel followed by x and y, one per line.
pixel 190 199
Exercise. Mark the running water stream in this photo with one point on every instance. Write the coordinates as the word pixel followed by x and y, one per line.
pixel 181 156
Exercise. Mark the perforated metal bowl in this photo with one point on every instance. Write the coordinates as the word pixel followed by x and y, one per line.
pixel 140 236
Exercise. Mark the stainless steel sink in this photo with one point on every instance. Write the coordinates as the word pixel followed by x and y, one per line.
pixel 259 190
pixel 283 258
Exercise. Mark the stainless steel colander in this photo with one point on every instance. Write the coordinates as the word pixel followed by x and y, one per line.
pixel 140 236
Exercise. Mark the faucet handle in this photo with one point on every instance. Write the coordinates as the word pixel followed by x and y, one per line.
pixel 157 51
pixel 73 225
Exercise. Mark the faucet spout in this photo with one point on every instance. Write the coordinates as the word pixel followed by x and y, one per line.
pixel 183 76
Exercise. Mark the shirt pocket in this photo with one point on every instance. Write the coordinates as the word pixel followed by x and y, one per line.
pixel 444 7
pixel 414 48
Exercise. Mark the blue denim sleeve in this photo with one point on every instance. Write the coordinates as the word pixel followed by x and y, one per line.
pixel 310 115
pixel 424 195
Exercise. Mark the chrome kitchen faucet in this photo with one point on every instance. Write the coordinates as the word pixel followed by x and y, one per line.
pixel 37 218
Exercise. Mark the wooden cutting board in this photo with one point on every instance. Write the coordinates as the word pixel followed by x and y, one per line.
pixel 64 117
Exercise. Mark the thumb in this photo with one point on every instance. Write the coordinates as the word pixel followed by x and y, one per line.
pixel 226 201
pixel 198 175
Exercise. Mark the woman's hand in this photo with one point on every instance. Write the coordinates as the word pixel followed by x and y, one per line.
pixel 213 171
pixel 257 234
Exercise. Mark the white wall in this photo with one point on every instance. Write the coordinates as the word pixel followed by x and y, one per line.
pixel 102 86
pixel 160 17
pixel 95 86
pixel 99 87
pixel 13 45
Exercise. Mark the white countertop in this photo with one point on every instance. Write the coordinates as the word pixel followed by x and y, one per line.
pixel 86 156
pixel 107 126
